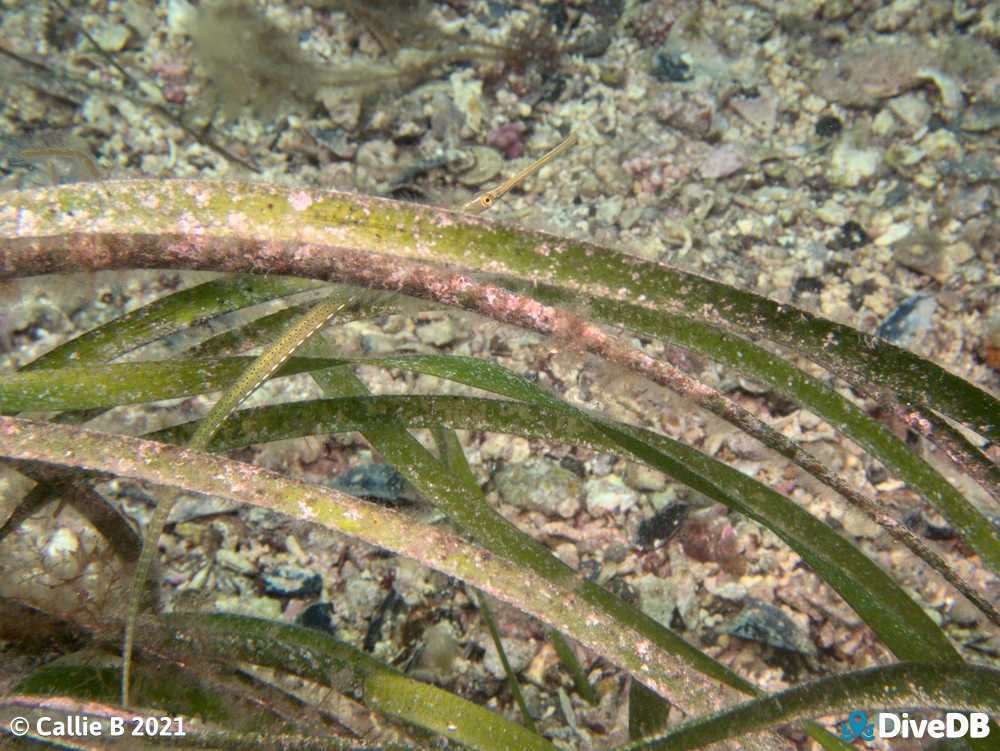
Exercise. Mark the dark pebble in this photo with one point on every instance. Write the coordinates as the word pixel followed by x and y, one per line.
pixel 662 525
pixel 574 465
pixel 292 583
pixel 592 44
pixel 379 482
pixel 917 524
pixel 852 235
pixel 828 126
pixel 319 616
pixel 808 284
pixel 619 586
pixel 766 624
pixel 896 195
pixel 668 67
pixel 909 316
pixel 936 122
pixel 877 474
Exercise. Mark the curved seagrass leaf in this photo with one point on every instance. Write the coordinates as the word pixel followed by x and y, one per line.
pixel 165 689
pixel 489 376
pixel 251 334
pixel 195 734
pixel 73 388
pixel 947 686
pixel 167 316
pixel 316 656
pixel 606 629
pixel 863 360
pixel 647 712
pixel 307 653
pixel 259 370
pixel 452 456
pixel 459 496
pixel 446 714
pixel 978 530
pixel 761 365
pixel 102 386
pixel 465 504
pixel 270 326
pixel 349 223
pixel 267 364
pixel 883 605
pixel 127 383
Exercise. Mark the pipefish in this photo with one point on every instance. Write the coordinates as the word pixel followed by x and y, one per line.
pixel 487 199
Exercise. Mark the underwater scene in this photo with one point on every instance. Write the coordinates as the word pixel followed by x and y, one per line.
pixel 583 374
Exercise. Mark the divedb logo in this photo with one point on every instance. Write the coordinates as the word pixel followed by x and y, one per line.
pixel 901 725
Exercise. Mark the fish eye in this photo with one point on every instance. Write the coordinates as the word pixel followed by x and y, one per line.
pixel 487 200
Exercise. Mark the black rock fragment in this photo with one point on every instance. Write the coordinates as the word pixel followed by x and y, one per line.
pixel 852 235
pixel 667 67
pixel 377 482
pixel 828 126
pixel 292 583
pixel 662 525
pixel 318 616
pixel 910 316
pixel 766 624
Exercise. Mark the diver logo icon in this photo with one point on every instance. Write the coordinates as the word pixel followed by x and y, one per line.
pixel 857 726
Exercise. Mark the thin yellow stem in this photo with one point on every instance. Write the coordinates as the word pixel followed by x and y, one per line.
pixel 262 368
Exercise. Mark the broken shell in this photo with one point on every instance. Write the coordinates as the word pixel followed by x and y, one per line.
pixel 484 164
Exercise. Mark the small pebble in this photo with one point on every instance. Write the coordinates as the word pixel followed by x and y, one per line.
pixel 615 552
pixel 828 126
pixel 643 477
pixel 318 616
pixel 440 333
pixel 592 43
pixel 912 316
pixel 657 597
pixel 519 654
pixel 852 235
pixel 981 117
pixel 851 165
pixel 438 652
pixel 667 67
pixel 235 561
pixel 662 525
pixel 285 581
pixel 540 485
pixel 767 624
pixel 377 481
pixel 609 495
